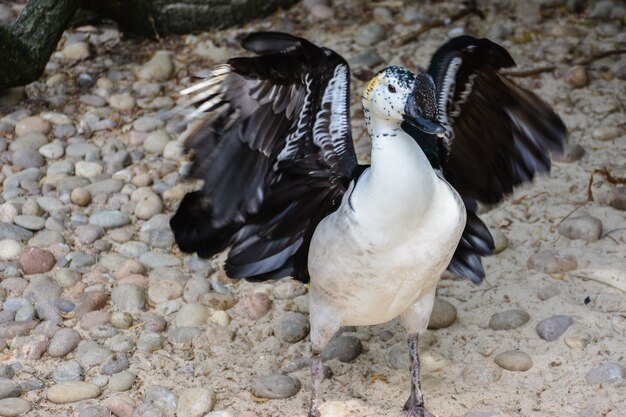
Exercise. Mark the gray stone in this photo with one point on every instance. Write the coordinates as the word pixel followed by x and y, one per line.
pixel 72 391
pixel 514 360
pixel 129 297
pixel 148 124
pixel 292 327
pixel 275 386
pixel 547 292
pixel 398 356
pixel 370 34
pixel 116 363
pixel 510 319
pixel 6 371
pixel 195 402
pixel 109 219
pixel 27 158
pixel 46 238
pixel 31 385
pixel 192 315
pixel 68 371
pixel 443 314
pixel 160 397
pixel 11 407
pixel 552 328
pixel 120 343
pixel 63 342
pixel 91 353
pixel 147 410
pixel 132 249
pixel 103 331
pixel 30 222
pixel 606 373
pixel 9 388
pixel 149 341
pixel 13 232
pixel 88 233
pixel 344 348
pixel 587 228
pixel 552 262
pixel 25 313
pixel 122 381
pixel 158 260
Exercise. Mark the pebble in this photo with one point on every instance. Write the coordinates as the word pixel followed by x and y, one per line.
pixel 9 249
pixel 552 328
pixel 7 212
pixel 30 347
pixel 292 327
pixel 149 204
pixel 91 353
pixel 606 133
pixel 32 124
pixel 27 158
pixel 116 363
pixel 443 314
pixel 195 288
pixel 122 102
pixel 160 397
pixel 254 306
pixel 370 34
pixel 481 372
pixel 195 402
pixel 33 223
pixel 164 290
pixel 68 371
pixel 9 388
pixel 120 343
pixel 192 315
pixel 72 391
pixel 221 413
pixel 52 150
pixel 90 301
pixel 217 301
pixel 10 407
pixel 63 342
pixel 76 51
pixel 122 381
pixel 321 12
pixel 514 360
pixel 618 201
pixel 588 228
pixel 606 373
pixel 88 169
pixel 508 320
pixel 147 124
pixel 159 68
pixel 548 291
pixel 577 342
pixel 500 241
pixel 92 100
pixel 343 348
pixel 149 341
pixel 552 262
pixel 275 386
pixel 156 141
pixel 109 219
pixel 119 407
pixel 88 233
pixel 158 260
pixel 288 289
pixel 6 371
pixel 572 152
pixel 129 297
pixel 94 318
pixel 36 261
pixel 31 140
pixel 577 77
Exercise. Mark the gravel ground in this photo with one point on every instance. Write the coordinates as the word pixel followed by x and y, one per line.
pixel 102 314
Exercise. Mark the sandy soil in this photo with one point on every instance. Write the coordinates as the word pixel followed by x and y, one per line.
pixel 555 385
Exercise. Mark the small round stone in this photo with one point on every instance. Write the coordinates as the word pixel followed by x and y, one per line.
pixel 501 242
pixel 36 261
pixel 11 407
pixel 9 249
pixel 195 402
pixel 370 34
pixel 254 306
pixel 587 228
pixel 164 290
pixel 552 328
pixel 605 133
pixel 606 373
pixel 63 342
pixel 72 391
pixel 149 204
pixel 292 327
pixel 9 388
pixel 510 319
pixel 80 196
pixel 577 342
pixel 514 360
pixel 156 141
pixel 547 292
pixel 88 169
pixel 27 158
pixel 443 314
pixel 121 320
pixel 76 51
pixel 32 124
pixel 192 315
pixel 116 363
pixel 577 77
pixel 552 262
pixel 344 348
pixel 109 219
pixel 159 68
pixel 481 372
pixel 129 297
pixel 68 371
pixel 122 102
pixel 275 386
pixel 149 341
pixel 33 223
pixel 122 381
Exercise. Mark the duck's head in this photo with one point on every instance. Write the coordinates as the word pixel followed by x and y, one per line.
pixel 395 94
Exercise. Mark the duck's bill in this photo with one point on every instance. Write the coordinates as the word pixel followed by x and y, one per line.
pixel 413 116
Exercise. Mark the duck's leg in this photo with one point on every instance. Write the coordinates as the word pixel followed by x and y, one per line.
pixel 415 320
pixel 325 321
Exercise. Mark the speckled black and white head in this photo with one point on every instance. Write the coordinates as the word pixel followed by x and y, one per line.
pixel 395 94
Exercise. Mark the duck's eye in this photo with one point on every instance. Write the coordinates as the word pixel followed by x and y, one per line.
pixel 391 88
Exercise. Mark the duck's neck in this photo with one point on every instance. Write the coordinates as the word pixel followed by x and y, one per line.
pixel 401 179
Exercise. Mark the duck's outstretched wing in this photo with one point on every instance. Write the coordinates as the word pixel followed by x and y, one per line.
pixel 274 149
pixel 498 135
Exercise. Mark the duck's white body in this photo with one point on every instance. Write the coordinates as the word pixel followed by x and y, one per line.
pixel 395 233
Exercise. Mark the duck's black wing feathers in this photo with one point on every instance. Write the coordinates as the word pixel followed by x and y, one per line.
pixel 274 149
pixel 498 135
